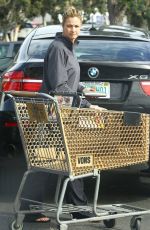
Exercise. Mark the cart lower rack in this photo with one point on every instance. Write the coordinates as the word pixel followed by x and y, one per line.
pixel 78 143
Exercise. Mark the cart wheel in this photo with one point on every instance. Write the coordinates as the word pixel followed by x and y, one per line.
pixel 13 226
pixel 63 227
pixel 135 223
pixel 109 223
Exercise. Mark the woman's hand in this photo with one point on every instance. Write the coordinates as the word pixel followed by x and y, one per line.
pixel 87 90
pixel 59 100
pixel 97 107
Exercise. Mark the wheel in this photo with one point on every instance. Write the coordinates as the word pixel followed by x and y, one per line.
pixel 59 227
pixel 16 227
pixel 135 223
pixel 63 227
pixel 109 223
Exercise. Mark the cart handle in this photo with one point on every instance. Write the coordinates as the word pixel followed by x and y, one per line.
pixel 13 93
pixel 37 94
pixel 63 93
pixel 22 93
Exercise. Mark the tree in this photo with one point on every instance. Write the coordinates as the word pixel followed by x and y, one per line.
pixel 10 13
pixel 13 12
pixel 4 2
pixel 139 13
pixel 53 7
pixel 117 10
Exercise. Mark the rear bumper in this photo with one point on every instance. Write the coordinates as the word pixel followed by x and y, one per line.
pixel 9 133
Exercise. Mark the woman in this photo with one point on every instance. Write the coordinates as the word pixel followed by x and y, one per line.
pixel 62 74
pixel 61 67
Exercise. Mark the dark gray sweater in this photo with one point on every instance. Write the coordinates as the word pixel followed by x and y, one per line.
pixel 61 68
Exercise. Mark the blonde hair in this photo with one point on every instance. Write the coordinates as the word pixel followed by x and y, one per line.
pixel 71 12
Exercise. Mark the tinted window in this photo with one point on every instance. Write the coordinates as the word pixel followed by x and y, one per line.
pixel 113 50
pixel 16 48
pixel 38 48
pixel 103 50
pixel 4 50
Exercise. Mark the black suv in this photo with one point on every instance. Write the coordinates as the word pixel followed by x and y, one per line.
pixel 114 60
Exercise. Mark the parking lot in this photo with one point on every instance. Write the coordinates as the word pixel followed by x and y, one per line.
pixel 117 186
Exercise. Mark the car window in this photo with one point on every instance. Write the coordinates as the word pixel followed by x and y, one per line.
pixel 3 50
pixel 38 48
pixel 113 50
pixel 101 50
pixel 16 48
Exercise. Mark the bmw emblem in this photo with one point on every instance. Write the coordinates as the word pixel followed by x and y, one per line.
pixel 93 72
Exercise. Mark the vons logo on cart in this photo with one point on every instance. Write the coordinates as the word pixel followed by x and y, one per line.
pixel 84 160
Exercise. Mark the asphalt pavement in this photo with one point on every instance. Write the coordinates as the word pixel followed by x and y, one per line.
pixel 116 187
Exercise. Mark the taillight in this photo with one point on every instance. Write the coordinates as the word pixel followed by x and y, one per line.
pixel 12 80
pixel 18 81
pixel 145 85
pixel 10 124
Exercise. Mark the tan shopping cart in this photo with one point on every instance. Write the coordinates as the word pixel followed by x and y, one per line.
pixel 78 143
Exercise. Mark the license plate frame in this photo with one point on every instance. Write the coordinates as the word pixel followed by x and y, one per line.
pixel 100 89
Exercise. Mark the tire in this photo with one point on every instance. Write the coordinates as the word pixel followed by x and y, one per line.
pixel 109 223
pixel 59 227
pixel 135 223
pixel 14 227
pixel 63 227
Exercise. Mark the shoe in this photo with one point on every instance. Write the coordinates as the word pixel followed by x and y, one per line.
pixel 82 215
pixel 36 218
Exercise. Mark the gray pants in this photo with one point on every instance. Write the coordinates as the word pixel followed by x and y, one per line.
pixel 75 193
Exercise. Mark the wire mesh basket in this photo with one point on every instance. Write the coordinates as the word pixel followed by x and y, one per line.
pixel 77 141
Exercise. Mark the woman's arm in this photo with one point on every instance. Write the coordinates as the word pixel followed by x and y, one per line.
pixel 57 77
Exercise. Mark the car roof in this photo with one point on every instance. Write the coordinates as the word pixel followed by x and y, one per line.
pixel 111 31
pixel 11 42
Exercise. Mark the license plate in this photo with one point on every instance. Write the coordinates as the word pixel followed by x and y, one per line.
pixel 97 89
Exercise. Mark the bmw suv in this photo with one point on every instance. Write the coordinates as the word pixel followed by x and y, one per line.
pixel 114 60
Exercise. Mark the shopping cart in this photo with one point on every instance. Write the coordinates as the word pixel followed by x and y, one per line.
pixel 77 143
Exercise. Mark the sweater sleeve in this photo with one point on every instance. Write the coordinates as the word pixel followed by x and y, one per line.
pixel 80 87
pixel 56 70
pixel 85 104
